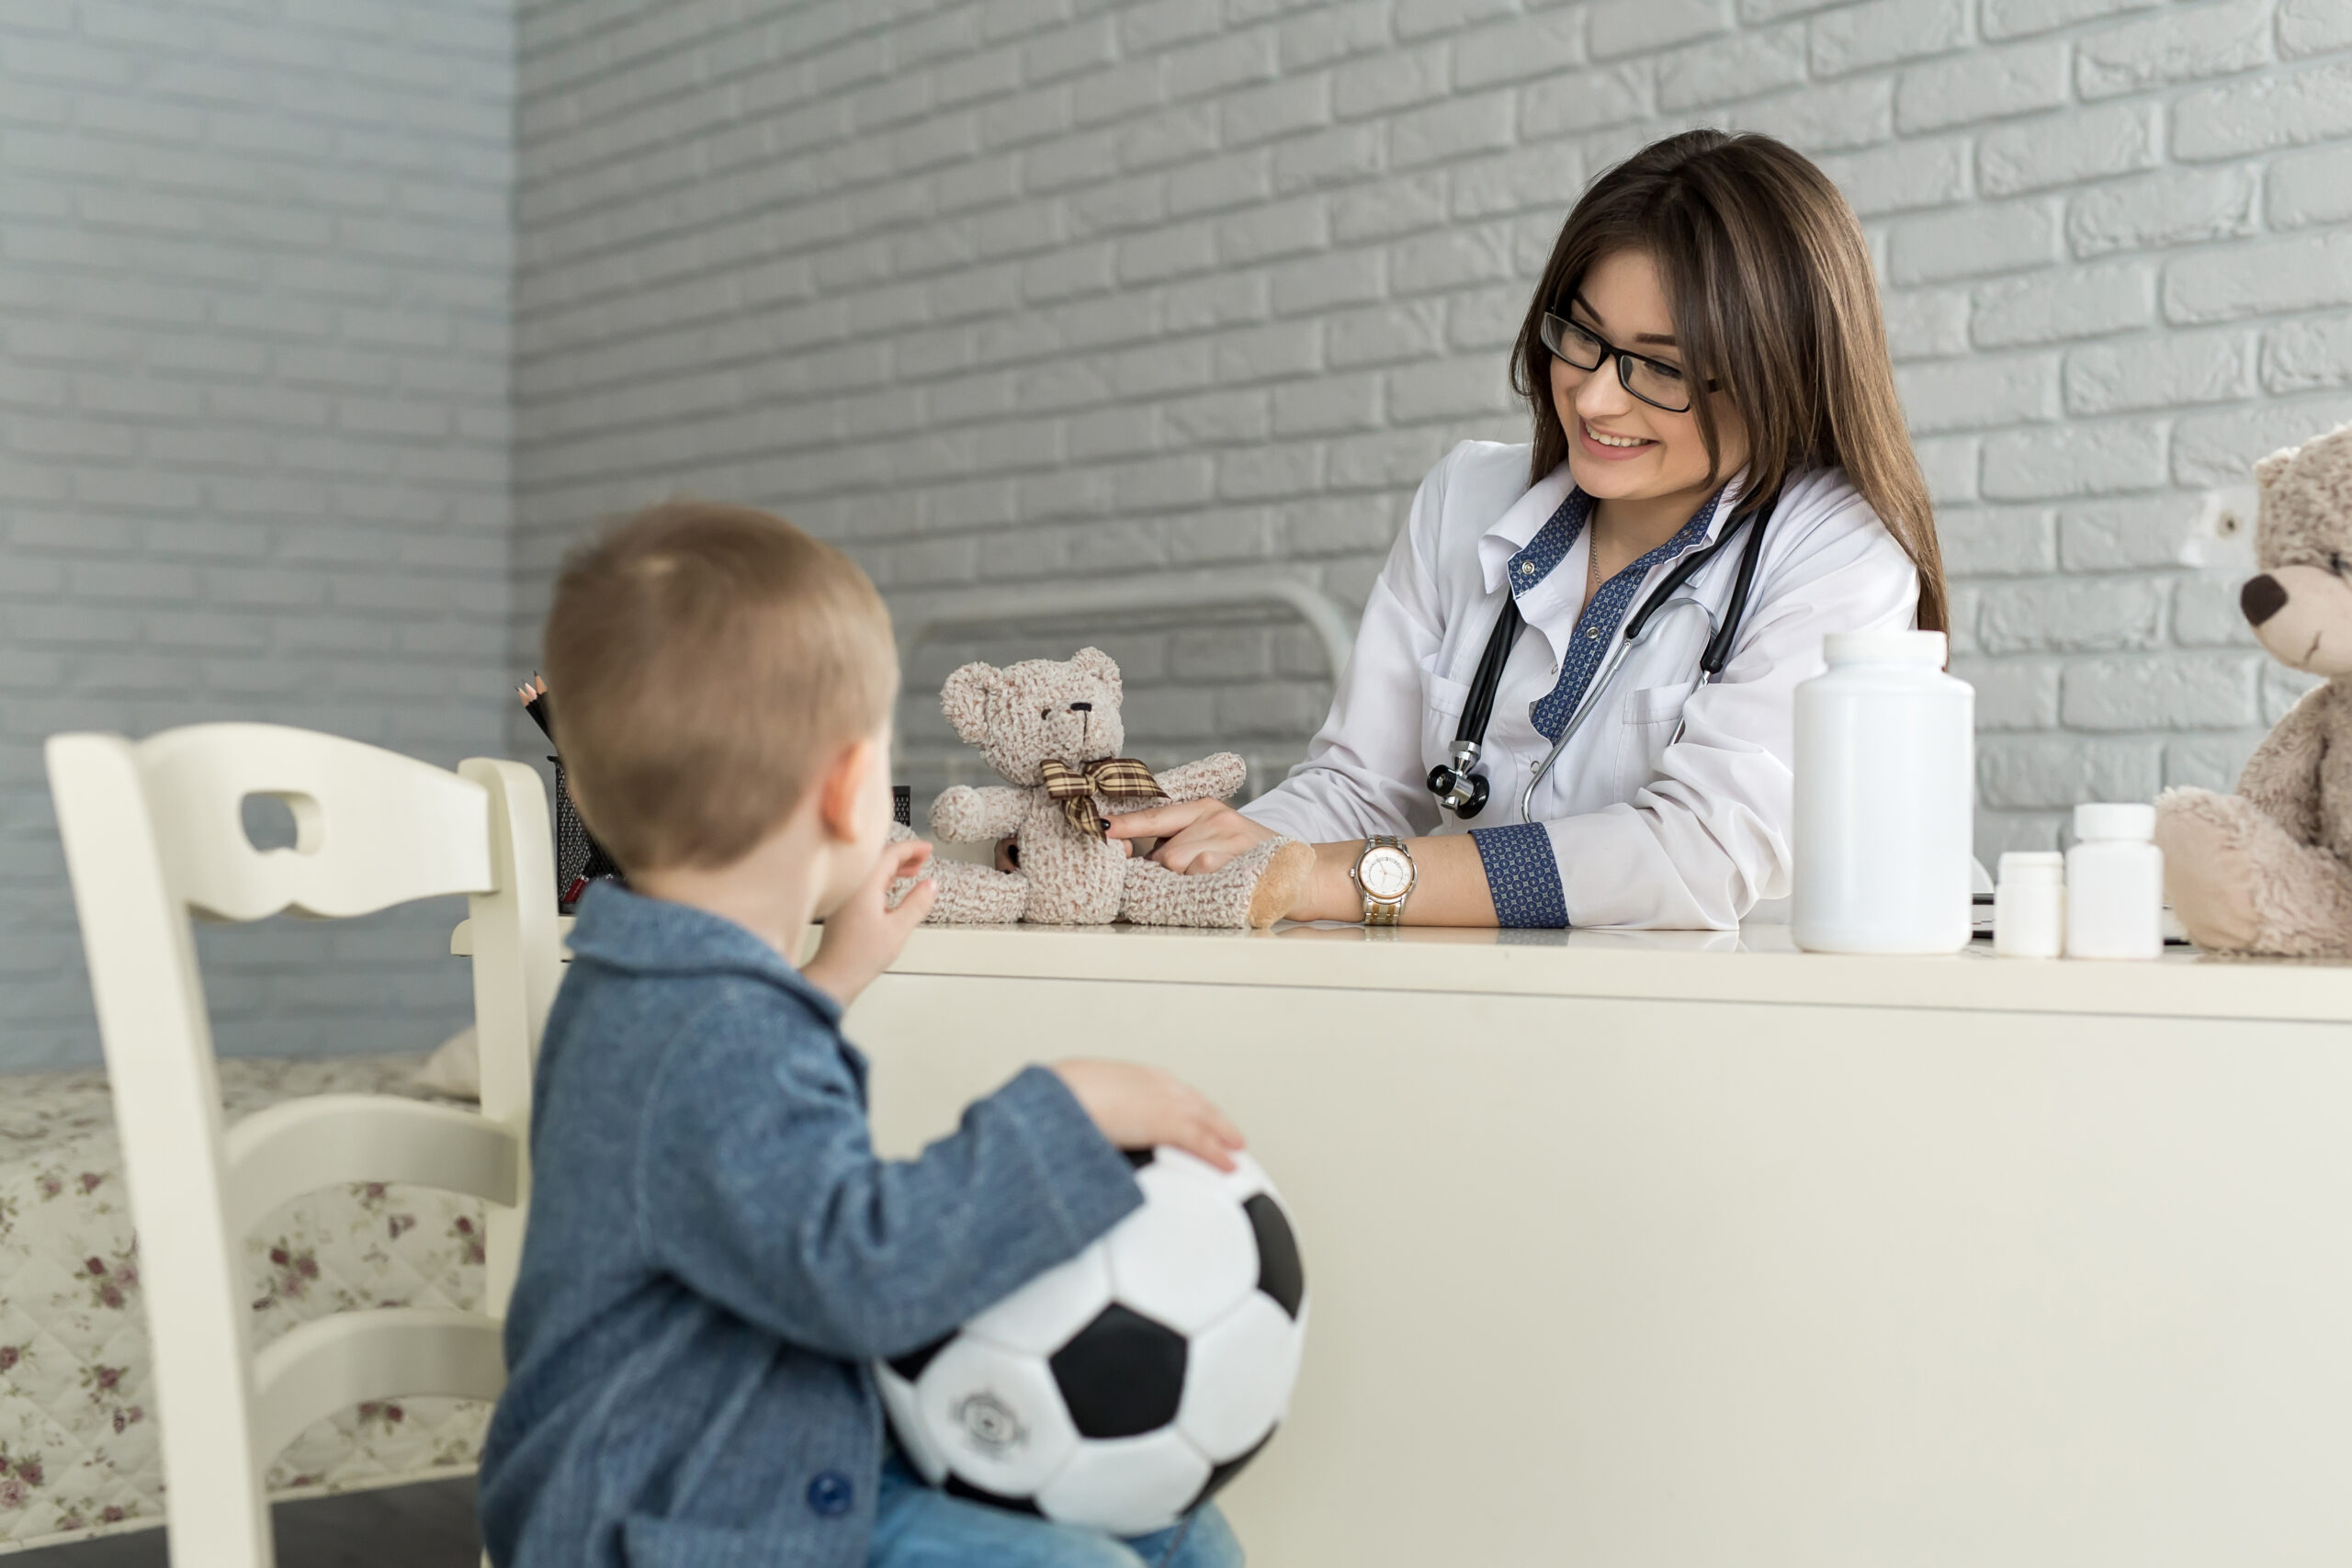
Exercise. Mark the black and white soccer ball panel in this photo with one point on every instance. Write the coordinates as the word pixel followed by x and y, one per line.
pixel 997 1416
pixel 1188 1255
pixel 1123 1484
pixel 1122 1388
pixel 1238 1383
pixel 1043 1314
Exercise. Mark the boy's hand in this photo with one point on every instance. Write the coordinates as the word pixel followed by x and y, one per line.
pixel 1137 1107
pixel 864 935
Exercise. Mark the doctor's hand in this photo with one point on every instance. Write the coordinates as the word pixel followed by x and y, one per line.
pixel 1195 835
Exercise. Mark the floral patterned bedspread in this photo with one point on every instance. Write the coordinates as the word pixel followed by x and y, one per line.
pixel 78 1455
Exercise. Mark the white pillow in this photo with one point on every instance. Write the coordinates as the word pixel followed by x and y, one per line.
pixel 454 1068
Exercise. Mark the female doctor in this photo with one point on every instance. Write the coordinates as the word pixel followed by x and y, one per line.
pixel 1707 368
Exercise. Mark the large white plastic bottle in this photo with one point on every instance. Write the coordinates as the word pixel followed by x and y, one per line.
pixel 1885 798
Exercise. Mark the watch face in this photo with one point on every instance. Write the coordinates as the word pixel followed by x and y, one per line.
pixel 1385 872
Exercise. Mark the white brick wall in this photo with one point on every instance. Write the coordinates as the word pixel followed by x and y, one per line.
pixel 1009 290
pixel 1004 290
pixel 255 259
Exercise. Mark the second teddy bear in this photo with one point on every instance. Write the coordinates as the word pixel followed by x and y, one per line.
pixel 1052 728
pixel 2269 869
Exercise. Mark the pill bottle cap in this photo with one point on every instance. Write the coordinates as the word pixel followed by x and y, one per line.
pixel 2031 864
pixel 1883 647
pixel 2115 820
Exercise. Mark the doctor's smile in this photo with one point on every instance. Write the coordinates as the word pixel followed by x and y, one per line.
pixel 1613 447
pixel 1571 701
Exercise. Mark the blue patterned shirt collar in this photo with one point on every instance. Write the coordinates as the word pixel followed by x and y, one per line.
pixel 1545 509
pixel 1533 562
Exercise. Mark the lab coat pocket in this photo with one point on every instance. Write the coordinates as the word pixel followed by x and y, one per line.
pixel 1656 704
pixel 1651 715
pixel 1443 700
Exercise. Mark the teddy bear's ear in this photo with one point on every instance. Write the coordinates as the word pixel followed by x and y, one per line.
pixel 964 700
pixel 2268 470
pixel 1102 667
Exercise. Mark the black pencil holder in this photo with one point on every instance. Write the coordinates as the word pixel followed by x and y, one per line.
pixel 579 858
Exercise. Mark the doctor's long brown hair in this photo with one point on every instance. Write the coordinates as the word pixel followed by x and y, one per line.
pixel 1770 281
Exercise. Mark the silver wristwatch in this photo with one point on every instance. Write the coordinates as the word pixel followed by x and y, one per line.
pixel 1384 874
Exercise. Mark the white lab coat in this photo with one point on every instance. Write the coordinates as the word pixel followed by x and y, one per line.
pixel 1688 835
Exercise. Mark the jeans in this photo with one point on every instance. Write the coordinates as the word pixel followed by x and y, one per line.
pixel 916 1526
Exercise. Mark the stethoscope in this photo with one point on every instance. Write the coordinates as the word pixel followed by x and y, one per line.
pixel 1463 792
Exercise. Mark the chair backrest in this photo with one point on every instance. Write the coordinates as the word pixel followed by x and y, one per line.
pixel 153 833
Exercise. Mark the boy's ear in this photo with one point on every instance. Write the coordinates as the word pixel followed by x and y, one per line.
pixel 1102 667
pixel 964 700
pixel 842 787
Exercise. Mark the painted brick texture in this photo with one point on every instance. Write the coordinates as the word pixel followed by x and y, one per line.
pixel 255 261
pixel 1044 290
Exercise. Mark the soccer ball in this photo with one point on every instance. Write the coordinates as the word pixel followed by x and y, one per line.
pixel 1123 1388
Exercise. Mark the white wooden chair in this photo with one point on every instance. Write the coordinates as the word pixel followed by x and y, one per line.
pixel 153 834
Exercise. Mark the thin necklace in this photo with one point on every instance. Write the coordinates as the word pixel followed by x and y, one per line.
pixel 1591 565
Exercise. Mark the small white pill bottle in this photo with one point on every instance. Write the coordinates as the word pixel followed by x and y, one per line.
pixel 2030 908
pixel 2115 883
pixel 1885 798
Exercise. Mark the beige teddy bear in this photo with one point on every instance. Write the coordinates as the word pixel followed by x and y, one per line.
pixel 2269 869
pixel 1052 728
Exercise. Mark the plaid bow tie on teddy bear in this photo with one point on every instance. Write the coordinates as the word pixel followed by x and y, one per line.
pixel 1113 778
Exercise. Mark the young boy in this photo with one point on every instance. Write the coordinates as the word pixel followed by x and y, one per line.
pixel 715 1254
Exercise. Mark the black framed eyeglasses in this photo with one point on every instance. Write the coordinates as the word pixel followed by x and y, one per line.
pixel 1657 383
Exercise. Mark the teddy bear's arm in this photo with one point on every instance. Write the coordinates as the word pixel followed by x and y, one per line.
pixel 963 815
pixel 2282 776
pixel 1211 778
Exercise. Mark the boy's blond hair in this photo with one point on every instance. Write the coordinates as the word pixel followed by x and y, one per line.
pixel 703 662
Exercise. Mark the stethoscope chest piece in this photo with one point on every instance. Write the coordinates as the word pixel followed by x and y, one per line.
pixel 1458 789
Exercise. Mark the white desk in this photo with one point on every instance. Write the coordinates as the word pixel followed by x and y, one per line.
pixel 1686 1251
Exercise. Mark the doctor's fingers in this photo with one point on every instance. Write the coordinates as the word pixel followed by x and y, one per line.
pixel 1194 862
pixel 1207 846
pixel 1159 821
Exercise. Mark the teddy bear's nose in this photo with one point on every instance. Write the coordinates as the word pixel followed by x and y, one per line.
pixel 2261 598
pixel 1081 707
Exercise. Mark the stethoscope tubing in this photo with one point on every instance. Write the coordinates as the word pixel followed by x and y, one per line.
pixel 1470 736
